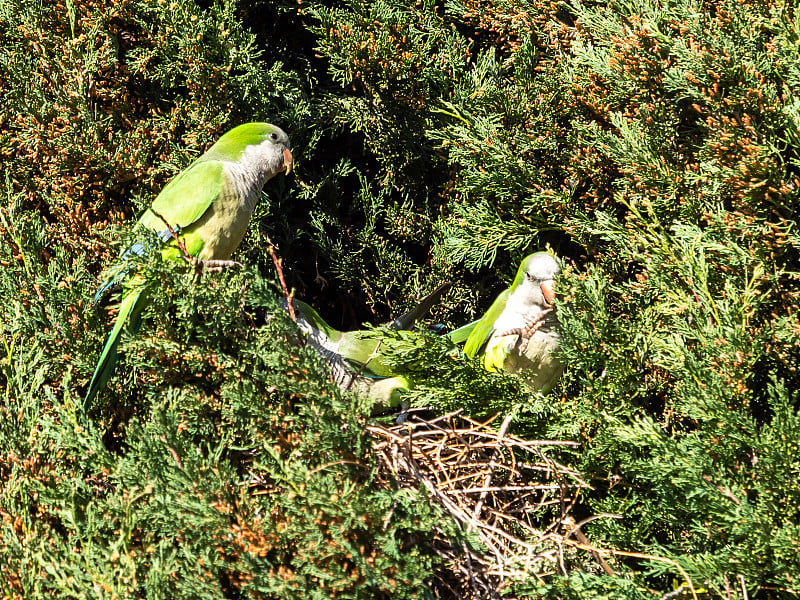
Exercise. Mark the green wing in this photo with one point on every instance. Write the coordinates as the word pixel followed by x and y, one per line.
pixel 462 333
pixel 494 359
pixel 184 199
pixel 485 326
pixel 356 347
pixel 361 348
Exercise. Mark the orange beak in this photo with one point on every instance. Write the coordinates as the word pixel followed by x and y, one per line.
pixel 287 161
pixel 548 291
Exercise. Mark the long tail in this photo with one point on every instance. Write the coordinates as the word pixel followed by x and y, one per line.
pixel 407 320
pixel 134 301
pixel 462 333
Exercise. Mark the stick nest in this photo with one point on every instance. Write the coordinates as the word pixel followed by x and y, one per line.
pixel 505 490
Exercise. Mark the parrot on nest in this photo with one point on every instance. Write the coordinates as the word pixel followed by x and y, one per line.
pixel 519 332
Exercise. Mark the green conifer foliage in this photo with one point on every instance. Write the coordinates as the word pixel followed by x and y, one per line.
pixel 653 145
pixel 222 463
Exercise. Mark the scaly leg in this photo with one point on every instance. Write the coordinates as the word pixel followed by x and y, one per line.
pixel 526 333
pixel 210 265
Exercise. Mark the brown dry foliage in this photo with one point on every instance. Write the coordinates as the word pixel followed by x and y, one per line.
pixel 108 120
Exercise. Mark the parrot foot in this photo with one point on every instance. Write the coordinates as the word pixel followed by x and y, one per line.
pixel 526 333
pixel 212 266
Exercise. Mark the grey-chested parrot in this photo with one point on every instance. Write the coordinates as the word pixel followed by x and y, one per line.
pixel 201 216
pixel 354 357
pixel 519 332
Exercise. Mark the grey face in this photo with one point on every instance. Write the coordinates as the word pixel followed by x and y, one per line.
pixel 542 267
pixel 541 271
pixel 274 150
pixel 278 136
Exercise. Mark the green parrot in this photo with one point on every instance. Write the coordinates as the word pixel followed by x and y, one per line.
pixel 201 216
pixel 518 334
pixel 354 357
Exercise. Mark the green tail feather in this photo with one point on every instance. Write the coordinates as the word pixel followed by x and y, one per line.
pixel 407 320
pixel 134 301
pixel 462 333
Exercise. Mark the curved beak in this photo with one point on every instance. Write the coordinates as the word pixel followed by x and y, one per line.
pixel 287 160
pixel 548 291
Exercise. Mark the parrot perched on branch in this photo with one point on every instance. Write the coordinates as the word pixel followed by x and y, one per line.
pixel 201 216
pixel 354 357
pixel 518 334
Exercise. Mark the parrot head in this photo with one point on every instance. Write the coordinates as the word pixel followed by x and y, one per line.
pixel 263 145
pixel 536 278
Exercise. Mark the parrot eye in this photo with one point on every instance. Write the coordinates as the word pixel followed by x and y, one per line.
pixel 273 136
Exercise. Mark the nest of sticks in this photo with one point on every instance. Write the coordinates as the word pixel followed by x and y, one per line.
pixel 495 485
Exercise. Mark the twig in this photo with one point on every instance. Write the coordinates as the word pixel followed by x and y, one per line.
pixel 174 234
pixel 289 295
pixel 172 451
pixel 614 552
pixel 727 493
pixel 744 587
pixel 200 265
pixel 678 591
pixel 492 464
pixel 503 488
pixel 469 567
pixel 561 560
pixel 526 333
pixel 576 530
pixel 356 374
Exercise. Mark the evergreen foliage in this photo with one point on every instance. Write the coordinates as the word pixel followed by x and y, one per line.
pixel 226 465
pixel 655 146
